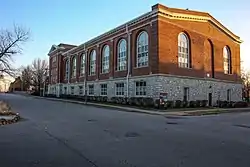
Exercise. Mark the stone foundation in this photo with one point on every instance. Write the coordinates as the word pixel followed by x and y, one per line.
pixel 199 89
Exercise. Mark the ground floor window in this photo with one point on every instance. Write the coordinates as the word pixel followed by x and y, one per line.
pixel 140 88
pixel 119 89
pixel 80 90
pixel 72 90
pixel 91 89
pixel 65 90
pixel 186 94
pixel 103 89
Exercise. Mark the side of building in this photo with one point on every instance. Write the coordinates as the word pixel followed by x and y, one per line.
pixel 187 54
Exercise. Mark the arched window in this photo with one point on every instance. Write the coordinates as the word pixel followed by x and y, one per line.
pixel 82 69
pixel 227 60
pixel 92 63
pixel 183 51
pixel 67 69
pixel 142 49
pixel 105 59
pixel 74 67
pixel 122 55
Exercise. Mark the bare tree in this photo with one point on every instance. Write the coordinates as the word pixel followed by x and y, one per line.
pixel 245 75
pixel 27 77
pixel 11 42
pixel 39 68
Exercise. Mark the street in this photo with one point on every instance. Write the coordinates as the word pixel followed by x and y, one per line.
pixel 57 134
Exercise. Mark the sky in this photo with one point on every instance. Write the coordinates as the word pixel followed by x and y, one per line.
pixel 76 21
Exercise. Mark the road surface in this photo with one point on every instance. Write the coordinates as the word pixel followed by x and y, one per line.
pixel 56 134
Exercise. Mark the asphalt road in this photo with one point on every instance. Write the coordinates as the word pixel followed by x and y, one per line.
pixel 56 134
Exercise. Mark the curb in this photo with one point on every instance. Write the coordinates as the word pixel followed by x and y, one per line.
pixel 135 110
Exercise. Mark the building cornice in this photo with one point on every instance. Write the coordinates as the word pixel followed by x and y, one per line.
pixel 191 17
pixel 180 15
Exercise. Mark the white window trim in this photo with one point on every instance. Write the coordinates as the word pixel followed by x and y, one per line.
pixel 120 55
pixel 145 52
pixel 120 91
pixel 82 68
pixel 92 63
pixel 93 90
pixel 227 64
pixel 105 54
pixel 102 89
pixel 145 90
pixel 187 54
pixel 74 67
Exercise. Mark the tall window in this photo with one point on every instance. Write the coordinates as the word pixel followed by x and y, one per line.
pixel 74 67
pixel 103 89
pixel 183 51
pixel 140 88
pixel 67 69
pixel 119 89
pixel 122 55
pixel 105 59
pixel 142 49
pixel 92 63
pixel 80 90
pixel 227 60
pixel 82 69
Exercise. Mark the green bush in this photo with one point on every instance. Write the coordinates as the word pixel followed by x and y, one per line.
pixel 204 103
pixel 192 104
pixel 178 104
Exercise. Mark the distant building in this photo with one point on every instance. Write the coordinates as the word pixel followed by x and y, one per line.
pixel 16 85
pixel 187 54
pixel 5 82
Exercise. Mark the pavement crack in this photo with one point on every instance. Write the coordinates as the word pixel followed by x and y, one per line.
pixel 71 148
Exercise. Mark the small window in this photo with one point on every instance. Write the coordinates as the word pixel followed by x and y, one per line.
pixel 65 90
pixel 80 90
pixel 91 89
pixel 103 89
pixel 72 89
pixel 119 89
pixel 140 88
pixel 186 94
pixel 229 95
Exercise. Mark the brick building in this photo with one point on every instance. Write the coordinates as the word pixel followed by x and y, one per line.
pixel 187 54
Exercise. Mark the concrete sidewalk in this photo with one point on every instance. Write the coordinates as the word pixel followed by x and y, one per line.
pixel 153 112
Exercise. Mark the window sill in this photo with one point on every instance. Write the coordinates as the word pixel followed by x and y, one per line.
pixel 103 73
pixel 120 70
pixel 141 67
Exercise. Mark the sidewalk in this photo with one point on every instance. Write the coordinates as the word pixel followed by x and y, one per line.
pixel 154 112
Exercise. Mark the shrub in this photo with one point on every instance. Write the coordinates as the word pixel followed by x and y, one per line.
pixel 204 103
pixel 139 101
pixel 147 102
pixel 192 104
pixel 132 100
pixel 185 104
pixel 36 93
pixel 198 103
pixel 178 104
pixel 169 104
pixel 240 104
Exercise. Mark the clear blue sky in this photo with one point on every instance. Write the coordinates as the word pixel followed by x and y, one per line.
pixel 75 21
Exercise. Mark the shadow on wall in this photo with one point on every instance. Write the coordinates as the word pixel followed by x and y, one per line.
pixel 173 69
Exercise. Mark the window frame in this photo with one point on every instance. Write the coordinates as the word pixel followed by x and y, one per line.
pixel 92 63
pixel 92 92
pixel 122 55
pixel 143 92
pixel 66 69
pixel 105 59
pixel 184 57
pixel 104 90
pixel 73 74
pixel 83 62
pixel 119 89
pixel 227 60
pixel 142 49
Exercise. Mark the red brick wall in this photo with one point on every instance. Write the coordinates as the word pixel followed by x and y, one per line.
pixel 200 34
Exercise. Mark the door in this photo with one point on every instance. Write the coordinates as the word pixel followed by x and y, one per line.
pixel 210 99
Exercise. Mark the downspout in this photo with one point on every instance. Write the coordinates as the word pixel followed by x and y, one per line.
pixel 128 65
pixel 85 77
pixel 69 73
